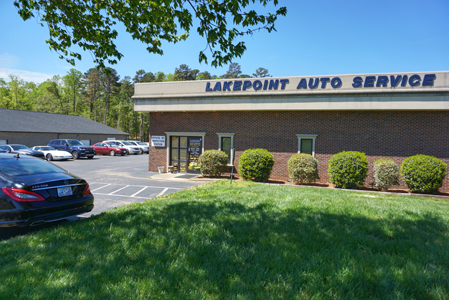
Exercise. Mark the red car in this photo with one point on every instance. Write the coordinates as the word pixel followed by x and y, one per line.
pixel 109 149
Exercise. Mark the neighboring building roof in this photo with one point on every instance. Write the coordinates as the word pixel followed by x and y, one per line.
pixel 31 121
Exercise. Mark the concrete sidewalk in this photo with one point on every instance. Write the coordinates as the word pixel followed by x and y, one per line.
pixel 179 177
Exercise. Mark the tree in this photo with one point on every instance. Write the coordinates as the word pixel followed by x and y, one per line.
pixel 160 77
pixel 91 83
pixel 261 72
pixel 234 71
pixel 109 82
pixel 5 97
pixel 124 105
pixel 72 85
pixel 17 93
pixel 89 25
pixel 149 77
pixel 184 73
pixel 47 97
pixel 203 76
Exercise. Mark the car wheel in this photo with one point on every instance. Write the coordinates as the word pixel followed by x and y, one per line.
pixel 141 151
pixel 112 153
pixel 75 155
pixel 49 157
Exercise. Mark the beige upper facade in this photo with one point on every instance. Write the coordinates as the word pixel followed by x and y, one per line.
pixel 382 91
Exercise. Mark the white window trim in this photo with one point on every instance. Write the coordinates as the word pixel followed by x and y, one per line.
pixel 231 135
pixel 170 134
pixel 308 137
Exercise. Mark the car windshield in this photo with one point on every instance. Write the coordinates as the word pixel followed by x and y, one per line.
pixel 127 143
pixel 11 166
pixel 140 143
pixel 45 148
pixel 74 143
pixel 19 147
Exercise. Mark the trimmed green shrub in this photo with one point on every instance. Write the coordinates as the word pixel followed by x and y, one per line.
pixel 256 164
pixel 212 162
pixel 348 169
pixel 302 168
pixel 423 173
pixel 386 173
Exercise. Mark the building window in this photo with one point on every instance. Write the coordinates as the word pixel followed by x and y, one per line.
pixel 225 144
pixel 306 143
pixel 183 149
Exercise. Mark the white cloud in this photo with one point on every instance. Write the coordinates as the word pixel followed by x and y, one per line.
pixel 8 60
pixel 25 75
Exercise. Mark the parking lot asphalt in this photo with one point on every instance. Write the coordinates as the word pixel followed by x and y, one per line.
pixel 115 181
pixel 121 180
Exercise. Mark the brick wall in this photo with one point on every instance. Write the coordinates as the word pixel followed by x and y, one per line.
pixel 397 135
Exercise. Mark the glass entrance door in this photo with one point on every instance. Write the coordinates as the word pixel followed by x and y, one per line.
pixel 183 151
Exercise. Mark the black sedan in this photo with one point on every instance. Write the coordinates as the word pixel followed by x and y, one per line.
pixel 22 149
pixel 34 191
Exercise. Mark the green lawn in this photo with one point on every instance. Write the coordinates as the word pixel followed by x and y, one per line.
pixel 245 241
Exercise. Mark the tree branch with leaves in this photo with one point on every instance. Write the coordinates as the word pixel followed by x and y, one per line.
pixel 90 24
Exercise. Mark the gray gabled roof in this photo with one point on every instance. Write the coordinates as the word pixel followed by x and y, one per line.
pixel 31 121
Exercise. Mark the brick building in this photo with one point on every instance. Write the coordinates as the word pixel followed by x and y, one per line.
pixel 32 128
pixel 383 115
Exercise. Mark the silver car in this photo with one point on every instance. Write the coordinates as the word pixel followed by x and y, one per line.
pixel 144 148
pixel 132 149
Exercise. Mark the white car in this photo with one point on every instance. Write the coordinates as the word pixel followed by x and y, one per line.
pixel 142 146
pixel 132 149
pixel 53 154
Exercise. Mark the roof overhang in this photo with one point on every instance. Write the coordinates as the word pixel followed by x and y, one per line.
pixel 387 91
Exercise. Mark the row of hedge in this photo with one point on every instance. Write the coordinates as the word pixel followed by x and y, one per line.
pixel 347 169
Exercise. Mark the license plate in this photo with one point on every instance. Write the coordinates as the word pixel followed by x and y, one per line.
pixel 64 191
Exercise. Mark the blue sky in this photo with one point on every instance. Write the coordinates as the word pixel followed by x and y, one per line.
pixel 315 38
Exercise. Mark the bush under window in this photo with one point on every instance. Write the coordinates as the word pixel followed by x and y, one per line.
pixel 212 162
pixel 386 173
pixel 256 164
pixel 302 168
pixel 423 173
pixel 348 169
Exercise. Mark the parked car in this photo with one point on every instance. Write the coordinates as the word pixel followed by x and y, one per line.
pixel 143 147
pixel 110 149
pixel 124 144
pixel 21 149
pixel 34 191
pixel 53 154
pixel 75 147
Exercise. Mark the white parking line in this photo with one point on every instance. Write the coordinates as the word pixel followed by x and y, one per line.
pixel 119 190
pixel 121 196
pixel 150 186
pixel 100 188
pixel 161 193
pixel 138 192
